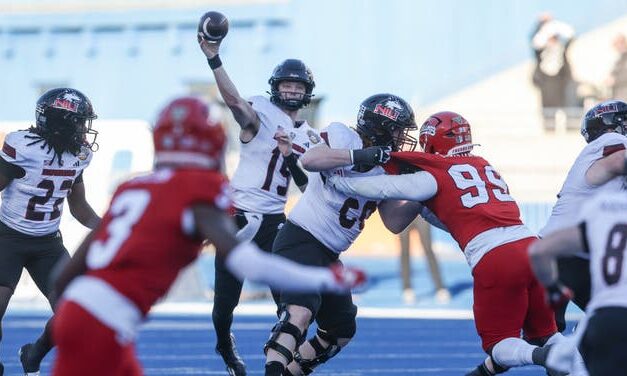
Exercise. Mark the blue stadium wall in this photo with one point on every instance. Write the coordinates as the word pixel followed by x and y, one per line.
pixel 129 61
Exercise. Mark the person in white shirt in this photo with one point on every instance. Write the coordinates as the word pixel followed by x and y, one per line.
pixel 325 222
pixel 271 140
pixel 601 233
pixel 39 168
pixel 596 169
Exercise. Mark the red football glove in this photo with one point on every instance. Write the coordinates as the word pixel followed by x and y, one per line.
pixel 557 295
pixel 348 277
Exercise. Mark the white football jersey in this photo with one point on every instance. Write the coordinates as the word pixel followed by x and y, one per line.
pixel 331 216
pixel 576 191
pixel 261 180
pixel 33 204
pixel 605 219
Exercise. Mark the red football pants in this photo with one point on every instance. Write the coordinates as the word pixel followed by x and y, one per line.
pixel 508 297
pixel 85 346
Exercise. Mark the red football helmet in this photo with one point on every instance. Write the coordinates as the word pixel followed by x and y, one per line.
pixel 446 133
pixel 185 135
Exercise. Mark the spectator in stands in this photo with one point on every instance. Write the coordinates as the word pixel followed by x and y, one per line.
pixel 552 75
pixel 442 294
pixel 617 82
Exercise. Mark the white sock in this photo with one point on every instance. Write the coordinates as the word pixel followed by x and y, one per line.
pixel 513 352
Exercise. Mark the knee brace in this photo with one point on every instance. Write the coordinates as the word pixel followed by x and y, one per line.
pixel 323 354
pixel 283 326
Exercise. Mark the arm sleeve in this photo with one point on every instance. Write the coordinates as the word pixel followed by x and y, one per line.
pixel 300 178
pixel 246 261
pixel 10 170
pixel 419 186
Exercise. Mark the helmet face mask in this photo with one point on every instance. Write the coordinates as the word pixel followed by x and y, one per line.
pixel 291 70
pixel 446 133
pixel 64 119
pixel 386 120
pixel 608 116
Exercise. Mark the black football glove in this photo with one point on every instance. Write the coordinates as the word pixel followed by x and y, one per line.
pixel 371 156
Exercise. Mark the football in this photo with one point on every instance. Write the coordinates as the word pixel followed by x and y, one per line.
pixel 213 26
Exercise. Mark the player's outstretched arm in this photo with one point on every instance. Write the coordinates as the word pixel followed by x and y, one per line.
pixel 607 168
pixel 80 208
pixel 542 256
pixel 243 111
pixel 543 252
pixel 323 158
pixel 246 261
pixel 419 186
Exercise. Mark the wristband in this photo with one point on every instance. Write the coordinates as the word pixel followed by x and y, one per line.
pixel 350 152
pixel 214 62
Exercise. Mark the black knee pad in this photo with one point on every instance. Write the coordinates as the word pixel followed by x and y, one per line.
pixel 346 329
pixel 283 326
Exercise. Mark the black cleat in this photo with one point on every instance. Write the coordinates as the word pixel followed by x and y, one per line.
pixel 234 364
pixel 481 370
pixel 30 368
pixel 1 369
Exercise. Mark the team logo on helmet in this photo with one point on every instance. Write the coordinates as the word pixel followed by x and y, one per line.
pixel 390 109
pixel 69 101
pixel 610 107
pixel 459 120
pixel 428 128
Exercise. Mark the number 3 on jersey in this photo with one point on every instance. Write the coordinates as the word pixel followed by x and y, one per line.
pixel 125 211
pixel 467 176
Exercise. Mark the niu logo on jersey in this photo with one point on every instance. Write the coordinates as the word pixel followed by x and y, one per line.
pixel 388 112
pixel 65 104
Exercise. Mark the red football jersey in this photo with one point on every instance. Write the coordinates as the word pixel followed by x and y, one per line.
pixel 147 235
pixel 471 198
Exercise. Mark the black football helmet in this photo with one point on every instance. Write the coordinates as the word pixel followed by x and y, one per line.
pixel 386 120
pixel 291 70
pixel 63 120
pixel 606 116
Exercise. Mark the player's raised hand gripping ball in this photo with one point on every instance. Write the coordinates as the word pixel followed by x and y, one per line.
pixel 213 26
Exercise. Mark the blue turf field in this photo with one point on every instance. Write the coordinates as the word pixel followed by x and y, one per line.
pixel 183 345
